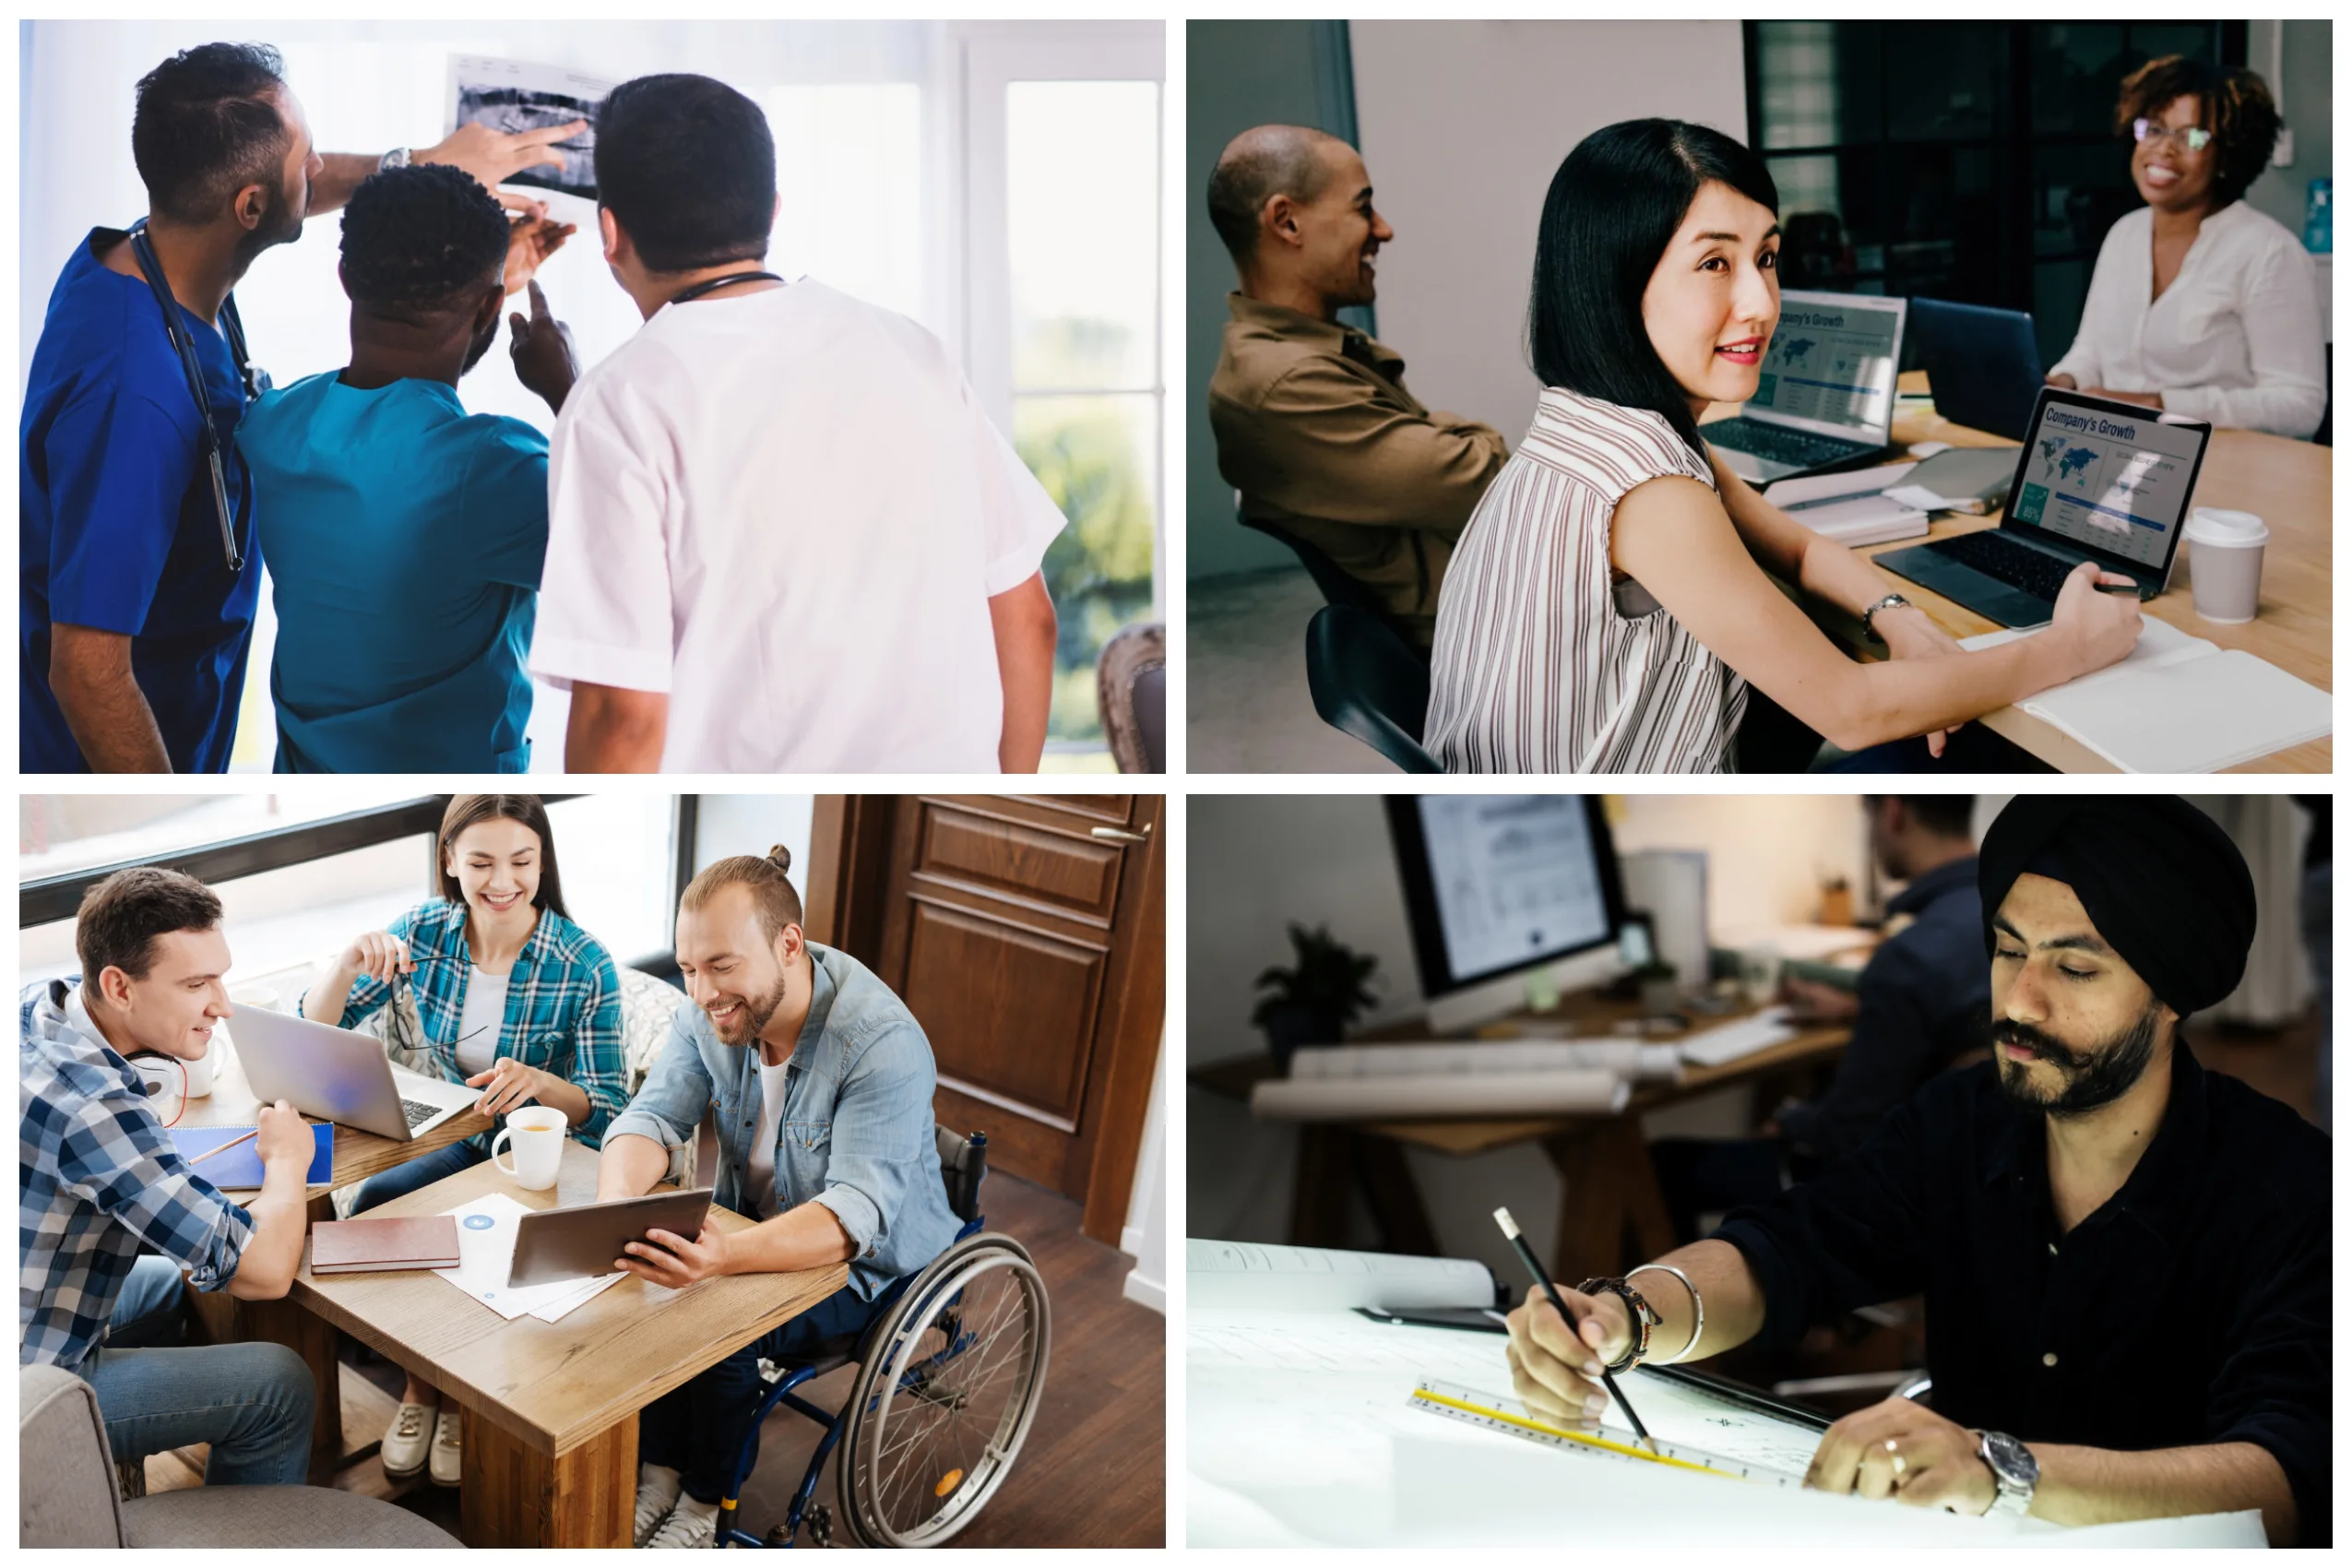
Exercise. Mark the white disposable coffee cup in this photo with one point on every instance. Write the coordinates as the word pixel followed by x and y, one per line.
pixel 2225 564
pixel 536 1134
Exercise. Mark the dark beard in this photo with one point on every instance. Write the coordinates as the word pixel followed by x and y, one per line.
pixel 281 224
pixel 2096 1078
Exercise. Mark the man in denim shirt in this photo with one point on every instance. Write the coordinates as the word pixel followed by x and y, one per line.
pixel 822 1082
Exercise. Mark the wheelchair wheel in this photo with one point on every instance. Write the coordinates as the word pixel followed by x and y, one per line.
pixel 945 1395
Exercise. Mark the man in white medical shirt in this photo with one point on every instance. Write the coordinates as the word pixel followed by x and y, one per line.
pixel 783 536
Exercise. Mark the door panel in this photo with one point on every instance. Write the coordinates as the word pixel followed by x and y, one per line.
pixel 1025 935
pixel 990 994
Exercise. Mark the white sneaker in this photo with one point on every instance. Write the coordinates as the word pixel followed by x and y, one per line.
pixel 691 1524
pixel 406 1440
pixel 657 1494
pixel 448 1460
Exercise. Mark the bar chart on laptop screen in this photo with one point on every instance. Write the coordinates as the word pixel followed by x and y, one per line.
pixel 1829 365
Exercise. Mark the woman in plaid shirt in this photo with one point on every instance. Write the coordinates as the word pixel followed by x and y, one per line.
pixel 516 1001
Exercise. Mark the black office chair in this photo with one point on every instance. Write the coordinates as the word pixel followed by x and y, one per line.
pixel 1337 586
pixel 1370 682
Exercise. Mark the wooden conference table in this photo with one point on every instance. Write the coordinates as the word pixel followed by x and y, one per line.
pixel 2288 483
pixel 1611 1212
pixel 550 1409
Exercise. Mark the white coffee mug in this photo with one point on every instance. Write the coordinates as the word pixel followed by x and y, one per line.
pixel 200 1071
pixel 2225 564
pixel 536 1132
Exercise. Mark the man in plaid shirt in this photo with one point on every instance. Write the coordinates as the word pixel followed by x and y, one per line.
pixel 108 1214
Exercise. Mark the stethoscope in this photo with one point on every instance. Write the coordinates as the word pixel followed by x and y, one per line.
pixel 707 285
pixel 256 382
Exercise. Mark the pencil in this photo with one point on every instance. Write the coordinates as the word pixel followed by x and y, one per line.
pixel 232 1143
pixel 1535 1269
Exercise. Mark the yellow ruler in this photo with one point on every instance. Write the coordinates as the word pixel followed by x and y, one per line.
pixel 1513 1420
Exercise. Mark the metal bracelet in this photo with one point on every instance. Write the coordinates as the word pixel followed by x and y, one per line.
pixel 1698 1305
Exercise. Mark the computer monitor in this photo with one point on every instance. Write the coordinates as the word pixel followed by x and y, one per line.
pixel 1500 888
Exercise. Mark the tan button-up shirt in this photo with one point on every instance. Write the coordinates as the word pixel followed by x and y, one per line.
pixel 1315 429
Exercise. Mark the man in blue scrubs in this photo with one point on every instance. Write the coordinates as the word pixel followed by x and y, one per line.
pixel 132 627
pixel 405 535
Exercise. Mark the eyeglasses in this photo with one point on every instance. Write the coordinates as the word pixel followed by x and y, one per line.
pixel 2188 138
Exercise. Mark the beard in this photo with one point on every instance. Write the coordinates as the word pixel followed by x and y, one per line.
pixel 757 1011
pixel 280 223
pixel 2096 1078
pixel 481 347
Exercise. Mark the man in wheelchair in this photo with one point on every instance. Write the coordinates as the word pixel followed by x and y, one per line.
pixel 822 1082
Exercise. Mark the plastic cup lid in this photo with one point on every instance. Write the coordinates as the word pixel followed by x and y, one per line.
pixel 2212 525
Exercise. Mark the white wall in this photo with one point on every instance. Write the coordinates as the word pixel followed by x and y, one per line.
pixel 753 824
pixel 1146 1236
pixel 1463 125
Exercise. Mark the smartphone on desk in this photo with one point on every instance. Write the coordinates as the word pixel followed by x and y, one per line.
pixel 1478 1320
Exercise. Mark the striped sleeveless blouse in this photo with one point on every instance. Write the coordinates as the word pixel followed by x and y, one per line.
pixel 1539 666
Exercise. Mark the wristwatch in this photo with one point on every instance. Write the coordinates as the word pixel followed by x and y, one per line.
pixel 1646 1317
pixel 399 158
pixel 1891 601
pixel 2015 1472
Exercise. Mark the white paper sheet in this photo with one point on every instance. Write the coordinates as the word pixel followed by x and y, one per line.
pixel 1255 1275
pixel 1568 1092
pixel 1626 1058
pixel 485 1256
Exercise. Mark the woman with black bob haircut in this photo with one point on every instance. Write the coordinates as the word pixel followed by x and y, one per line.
pixel 1609 606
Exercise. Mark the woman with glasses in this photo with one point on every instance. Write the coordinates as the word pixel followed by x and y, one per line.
pixel 2199 303
pixel 513 1000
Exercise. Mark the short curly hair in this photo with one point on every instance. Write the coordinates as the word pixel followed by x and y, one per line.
pixel 421 238
pixel 2236 107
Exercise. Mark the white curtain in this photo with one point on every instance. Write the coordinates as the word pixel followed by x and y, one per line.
pixel 2270 831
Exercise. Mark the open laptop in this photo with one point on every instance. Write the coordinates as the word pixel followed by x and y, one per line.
pixel 1825 398
pixel 340 1075
pixel 1984 365
pixel 2097 481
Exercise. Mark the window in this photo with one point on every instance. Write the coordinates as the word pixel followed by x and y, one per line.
pixel 1064 338
pixel 1960 161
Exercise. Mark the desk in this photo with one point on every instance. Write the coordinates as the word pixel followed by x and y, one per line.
pixel 1612 1213
pixel 2289 484
pixel 223 1319
pixel 550 1409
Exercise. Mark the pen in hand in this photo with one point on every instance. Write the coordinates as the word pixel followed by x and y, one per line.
pixel 1536 1271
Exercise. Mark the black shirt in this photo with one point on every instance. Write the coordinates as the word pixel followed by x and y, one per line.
pixel 1924 999
pixel 2190 1308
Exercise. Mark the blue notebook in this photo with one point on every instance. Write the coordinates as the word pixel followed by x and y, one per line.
pixel 241 1167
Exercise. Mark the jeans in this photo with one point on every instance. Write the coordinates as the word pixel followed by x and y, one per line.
pixel 252 1403
pixel 421 1172
pixel 700 1427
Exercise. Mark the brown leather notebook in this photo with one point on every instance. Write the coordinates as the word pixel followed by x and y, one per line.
pixel 358 1246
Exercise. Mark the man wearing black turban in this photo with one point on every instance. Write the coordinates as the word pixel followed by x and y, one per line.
pixel 2125 1257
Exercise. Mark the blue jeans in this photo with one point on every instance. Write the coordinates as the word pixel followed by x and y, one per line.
pixel 700 1427
pixel 421 1172
pixel 252 1403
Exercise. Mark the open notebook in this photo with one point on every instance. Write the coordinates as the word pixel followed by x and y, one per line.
pixel 2178 704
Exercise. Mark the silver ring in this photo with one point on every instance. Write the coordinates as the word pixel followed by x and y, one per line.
pixel 1899 1461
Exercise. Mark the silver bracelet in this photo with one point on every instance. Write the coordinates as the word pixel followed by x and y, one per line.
pixel 1699 1306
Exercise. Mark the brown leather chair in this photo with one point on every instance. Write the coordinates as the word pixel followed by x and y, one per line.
pixel 1131 691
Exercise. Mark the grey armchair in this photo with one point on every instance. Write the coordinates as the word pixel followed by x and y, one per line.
pixel 65 1494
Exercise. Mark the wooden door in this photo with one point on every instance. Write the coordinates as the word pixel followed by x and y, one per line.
pixel 1027 934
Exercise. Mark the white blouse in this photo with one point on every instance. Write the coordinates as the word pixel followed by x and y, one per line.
pixel 1542 664
pixel 2236 339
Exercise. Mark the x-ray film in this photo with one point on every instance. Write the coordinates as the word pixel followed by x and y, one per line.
pixel 514 95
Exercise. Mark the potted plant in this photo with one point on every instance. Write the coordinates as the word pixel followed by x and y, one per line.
pixel 1313 1003
pixel 1660 994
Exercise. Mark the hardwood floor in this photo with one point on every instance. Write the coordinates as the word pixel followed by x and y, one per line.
pixel 1093 1472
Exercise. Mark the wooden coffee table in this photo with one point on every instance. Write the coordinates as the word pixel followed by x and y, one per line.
pixel 550 1409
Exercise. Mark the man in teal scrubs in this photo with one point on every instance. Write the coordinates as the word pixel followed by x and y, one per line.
pixel 404 535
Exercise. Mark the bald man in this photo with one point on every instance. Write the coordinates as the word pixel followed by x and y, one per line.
pixel 1312 422
pixel 2125 1257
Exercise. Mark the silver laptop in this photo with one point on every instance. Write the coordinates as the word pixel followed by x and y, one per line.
pixel 340 1075
pixel 1825 397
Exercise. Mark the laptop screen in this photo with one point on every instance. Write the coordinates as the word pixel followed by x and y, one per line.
pixel 2113 481
pixel 1831 365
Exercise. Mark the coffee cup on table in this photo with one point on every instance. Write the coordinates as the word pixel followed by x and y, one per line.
pixel 536 1134
pixel 2225 564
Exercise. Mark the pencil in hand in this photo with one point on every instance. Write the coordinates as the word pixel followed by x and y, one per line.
pixel 1543 1280
pixel 232 1143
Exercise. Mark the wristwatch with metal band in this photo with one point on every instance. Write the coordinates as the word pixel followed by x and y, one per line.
pixel 399 158
pixel 1646 1317
pixel 1891 601
pixel 2016 1473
